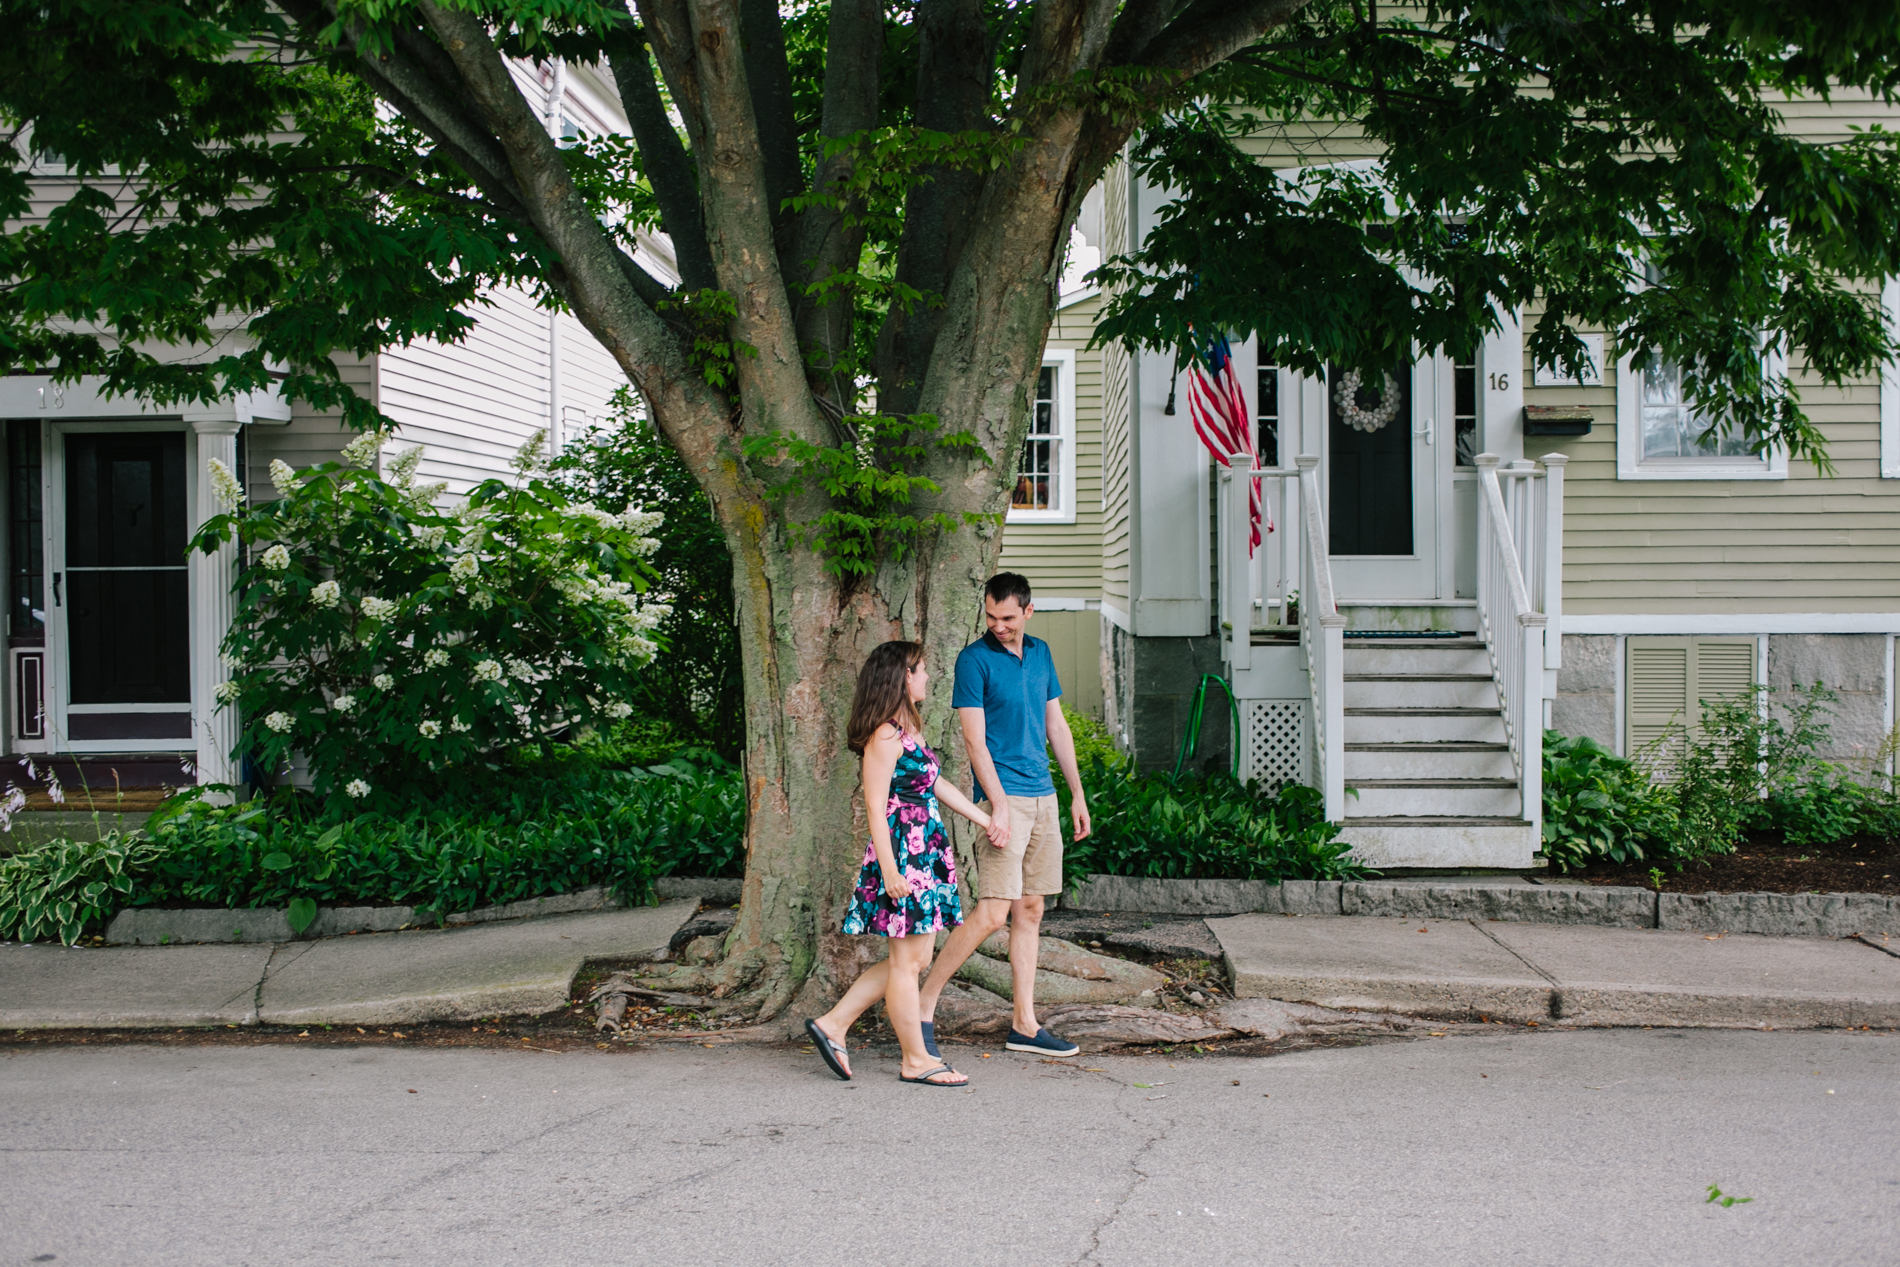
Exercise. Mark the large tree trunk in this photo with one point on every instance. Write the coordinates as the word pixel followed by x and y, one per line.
pixel 803 634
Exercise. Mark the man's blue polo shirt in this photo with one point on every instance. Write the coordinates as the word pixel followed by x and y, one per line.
pixel 1014 695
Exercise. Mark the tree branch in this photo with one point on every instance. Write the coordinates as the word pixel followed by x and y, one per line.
pixel 953 95
pixel 824 245
pixel 770 80
pixel 1136 28
pixel 1210 31
pixel 669 168
pixel 773 392
pixel 599 282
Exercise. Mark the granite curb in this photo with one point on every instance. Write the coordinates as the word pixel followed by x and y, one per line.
pixel 1507 900
pixel 156 926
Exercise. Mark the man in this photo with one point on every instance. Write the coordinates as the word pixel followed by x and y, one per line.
pixel 1009 702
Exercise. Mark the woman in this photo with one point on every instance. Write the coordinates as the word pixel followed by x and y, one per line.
pixel 907 887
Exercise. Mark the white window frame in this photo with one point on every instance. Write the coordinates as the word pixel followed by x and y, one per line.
pixel 1063 360
pixel 1890 390
pixel 1630 464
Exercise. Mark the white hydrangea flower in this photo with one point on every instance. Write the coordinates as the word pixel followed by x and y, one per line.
pixel 465 567
pixel 528 457
pixel 343 703
pixel 383 682
pixel 641 522
pixel 226 692
pixel 429 538
pixel 356 789
pixel 378 608
pixel 402 470
pixel 279 722
pixel 327 594
pixel 619 710
pixel 362 451
pixel 224 485
pixel 459 726
pixel 277 558
pixel 481 600
pixel 520 670
pixel 435 657
pixel 488 671
pixel 429 729
pixel 283 477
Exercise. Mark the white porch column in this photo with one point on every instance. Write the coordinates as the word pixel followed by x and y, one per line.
pixel 213 605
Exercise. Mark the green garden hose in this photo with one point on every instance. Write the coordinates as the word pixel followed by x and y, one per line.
pixel 1192 739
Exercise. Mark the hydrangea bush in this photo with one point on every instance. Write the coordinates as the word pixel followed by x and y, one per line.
pixel 386 637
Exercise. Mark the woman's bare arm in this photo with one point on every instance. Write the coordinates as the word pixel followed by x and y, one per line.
pixel 880 760
pixel 952 795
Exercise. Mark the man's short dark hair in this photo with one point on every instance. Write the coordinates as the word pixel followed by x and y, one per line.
pixel 1008 585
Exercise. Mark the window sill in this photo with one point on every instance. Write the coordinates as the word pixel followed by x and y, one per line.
pixel 1040 517
pixel 1698 469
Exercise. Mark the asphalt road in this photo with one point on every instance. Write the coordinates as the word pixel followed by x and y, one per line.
pixel 1591 1147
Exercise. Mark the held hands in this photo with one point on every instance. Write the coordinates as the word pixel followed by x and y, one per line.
pixel 996 827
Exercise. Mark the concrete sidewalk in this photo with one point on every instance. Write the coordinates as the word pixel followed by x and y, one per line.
pixel 1579 975
pixel 514 968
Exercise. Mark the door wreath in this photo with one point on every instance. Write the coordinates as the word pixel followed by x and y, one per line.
pixel 1346 400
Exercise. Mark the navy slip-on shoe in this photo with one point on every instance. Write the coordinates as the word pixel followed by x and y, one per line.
pixel 930 1040
pixel 1043 1044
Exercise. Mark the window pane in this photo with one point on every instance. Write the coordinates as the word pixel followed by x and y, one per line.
pixel 1464 412
pixel 1035 477
pixel 1671 429
pixel 1267 417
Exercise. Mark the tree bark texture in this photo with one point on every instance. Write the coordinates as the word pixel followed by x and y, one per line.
pixel 987 245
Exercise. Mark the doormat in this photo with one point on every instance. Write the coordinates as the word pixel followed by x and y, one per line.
pixel 1407 633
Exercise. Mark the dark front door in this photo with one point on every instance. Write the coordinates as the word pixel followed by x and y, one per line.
pixel 1370 438
pixel 126 607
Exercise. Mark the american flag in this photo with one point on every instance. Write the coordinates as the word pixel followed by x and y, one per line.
pixel 1220 418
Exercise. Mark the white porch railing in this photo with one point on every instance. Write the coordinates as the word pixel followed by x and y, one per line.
pixel 1510 624
pixel 1297 504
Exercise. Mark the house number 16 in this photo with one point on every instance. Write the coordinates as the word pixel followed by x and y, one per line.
pixel 1500 382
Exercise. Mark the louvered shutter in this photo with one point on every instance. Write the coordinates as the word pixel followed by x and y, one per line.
pixel 1669 678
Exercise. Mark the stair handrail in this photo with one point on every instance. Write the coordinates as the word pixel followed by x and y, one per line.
pixel 1513 633
pixel 1322 635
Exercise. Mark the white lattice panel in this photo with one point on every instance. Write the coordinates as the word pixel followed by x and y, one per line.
pixel 1275 749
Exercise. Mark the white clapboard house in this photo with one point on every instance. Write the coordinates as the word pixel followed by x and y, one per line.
pixel 112 633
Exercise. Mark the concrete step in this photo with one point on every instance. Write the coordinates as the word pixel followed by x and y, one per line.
pixel 1420 690
pixel 1428 761
pixel 1504 843
pixel 1418 657
pixel 1456 798
pixel 1424 725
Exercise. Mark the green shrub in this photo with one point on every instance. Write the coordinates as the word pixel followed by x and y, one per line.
pixel 1598 805
pixel 388 639
pixel 1201 828
pixel 479 844
pixel 63 888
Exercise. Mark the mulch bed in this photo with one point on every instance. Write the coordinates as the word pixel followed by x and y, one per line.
pixel 1766 864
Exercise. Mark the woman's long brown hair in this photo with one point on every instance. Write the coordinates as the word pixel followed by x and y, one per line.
pixel 883 693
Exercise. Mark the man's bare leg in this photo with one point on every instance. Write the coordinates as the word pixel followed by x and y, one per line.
pixel 960 945
pixel 1025 937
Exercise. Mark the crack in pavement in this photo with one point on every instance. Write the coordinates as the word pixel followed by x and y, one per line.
pixel 1139 1177
pixel 1556 1003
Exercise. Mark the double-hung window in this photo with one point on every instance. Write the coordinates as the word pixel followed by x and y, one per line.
pixel 1045 473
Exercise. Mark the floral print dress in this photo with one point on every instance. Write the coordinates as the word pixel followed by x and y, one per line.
pixel 922 849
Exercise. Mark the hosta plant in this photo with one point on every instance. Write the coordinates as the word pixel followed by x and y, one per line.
pixel 62 888
pixel 386 637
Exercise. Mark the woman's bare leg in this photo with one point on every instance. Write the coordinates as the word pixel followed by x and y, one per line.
pixel 866 990
pixel 909 957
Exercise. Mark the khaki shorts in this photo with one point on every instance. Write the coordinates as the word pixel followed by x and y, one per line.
pixel 1031 865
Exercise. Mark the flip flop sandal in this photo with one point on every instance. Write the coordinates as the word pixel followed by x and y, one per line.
pixel 828 1049
pixel 928 1078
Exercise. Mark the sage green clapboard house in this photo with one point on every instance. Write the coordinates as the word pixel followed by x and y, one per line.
pixel 1384 644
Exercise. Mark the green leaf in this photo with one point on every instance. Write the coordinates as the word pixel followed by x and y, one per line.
pixel 275 861
pixel 300 914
